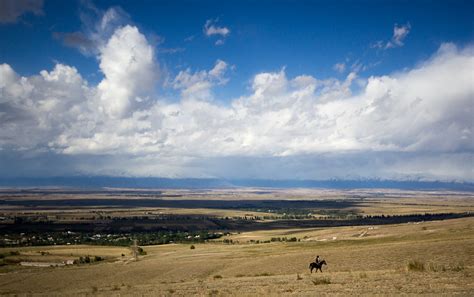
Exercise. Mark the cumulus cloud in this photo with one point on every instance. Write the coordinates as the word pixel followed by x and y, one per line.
pixel 198 85
pixel 12 10
pixel 97 28
pixel 398 37
pixel 36 110
pixel 410 124
pixel 127 61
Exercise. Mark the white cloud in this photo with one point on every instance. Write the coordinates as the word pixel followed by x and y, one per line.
pixel 409 124
pixel 97 28
pixel 399 35
pixel 126 58
pixel 339 67
pixel 198 85
pixel 35 110
pixel 127 61
pixel 210 29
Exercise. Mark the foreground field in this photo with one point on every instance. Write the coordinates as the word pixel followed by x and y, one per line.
pixel 431 258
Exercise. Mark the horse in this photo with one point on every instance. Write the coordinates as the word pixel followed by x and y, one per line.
pixel 317 266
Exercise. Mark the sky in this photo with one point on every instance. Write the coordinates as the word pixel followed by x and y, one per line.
pixel 237 89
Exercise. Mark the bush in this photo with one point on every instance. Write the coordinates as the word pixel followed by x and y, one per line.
pixel 141 252
pixel 192 247
pixel 263 274
pixel 217 276
pixel 415 265
pixel 85 259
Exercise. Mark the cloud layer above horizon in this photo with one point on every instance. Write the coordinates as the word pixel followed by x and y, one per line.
pixel 416 123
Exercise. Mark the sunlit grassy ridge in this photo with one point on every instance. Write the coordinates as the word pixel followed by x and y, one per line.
pixel 380 262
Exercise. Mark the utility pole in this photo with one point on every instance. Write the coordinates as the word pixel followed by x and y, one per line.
pixel 135 250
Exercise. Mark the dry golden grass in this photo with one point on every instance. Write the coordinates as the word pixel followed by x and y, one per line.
pixel 370 265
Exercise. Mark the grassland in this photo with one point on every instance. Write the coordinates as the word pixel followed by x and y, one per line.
pixel 262 247
pixel 364 260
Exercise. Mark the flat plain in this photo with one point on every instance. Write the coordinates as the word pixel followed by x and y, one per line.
pixel 428 258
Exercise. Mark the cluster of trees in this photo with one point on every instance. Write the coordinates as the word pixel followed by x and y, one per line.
pixel 114 239
pixel 279 239
pixel 89 259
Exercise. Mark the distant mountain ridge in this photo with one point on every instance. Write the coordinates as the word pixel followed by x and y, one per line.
pixel 209 183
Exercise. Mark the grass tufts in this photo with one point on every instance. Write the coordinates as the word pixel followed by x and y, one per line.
pixel 321 281
pixel 436 268
pixel 217 276
pixel 458 267
pixel 416 265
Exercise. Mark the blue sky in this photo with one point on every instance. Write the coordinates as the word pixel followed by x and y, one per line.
pixel 306 37
pixel 314 89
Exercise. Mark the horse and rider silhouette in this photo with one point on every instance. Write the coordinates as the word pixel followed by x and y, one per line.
pixel 317 264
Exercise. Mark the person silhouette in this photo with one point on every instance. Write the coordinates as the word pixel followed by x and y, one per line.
pixel 317 260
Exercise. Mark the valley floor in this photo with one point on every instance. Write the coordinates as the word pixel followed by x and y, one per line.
pixel 430 258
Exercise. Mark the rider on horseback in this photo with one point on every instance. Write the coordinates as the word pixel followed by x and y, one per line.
pixel 317 264
pixel 317 260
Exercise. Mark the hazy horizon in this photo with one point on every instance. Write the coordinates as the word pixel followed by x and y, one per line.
pixel 109 182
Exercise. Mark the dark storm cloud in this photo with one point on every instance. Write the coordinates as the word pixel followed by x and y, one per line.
pixel 76 40
pixel 12 10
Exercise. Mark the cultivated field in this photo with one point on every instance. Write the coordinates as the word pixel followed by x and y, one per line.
pixel 429 258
